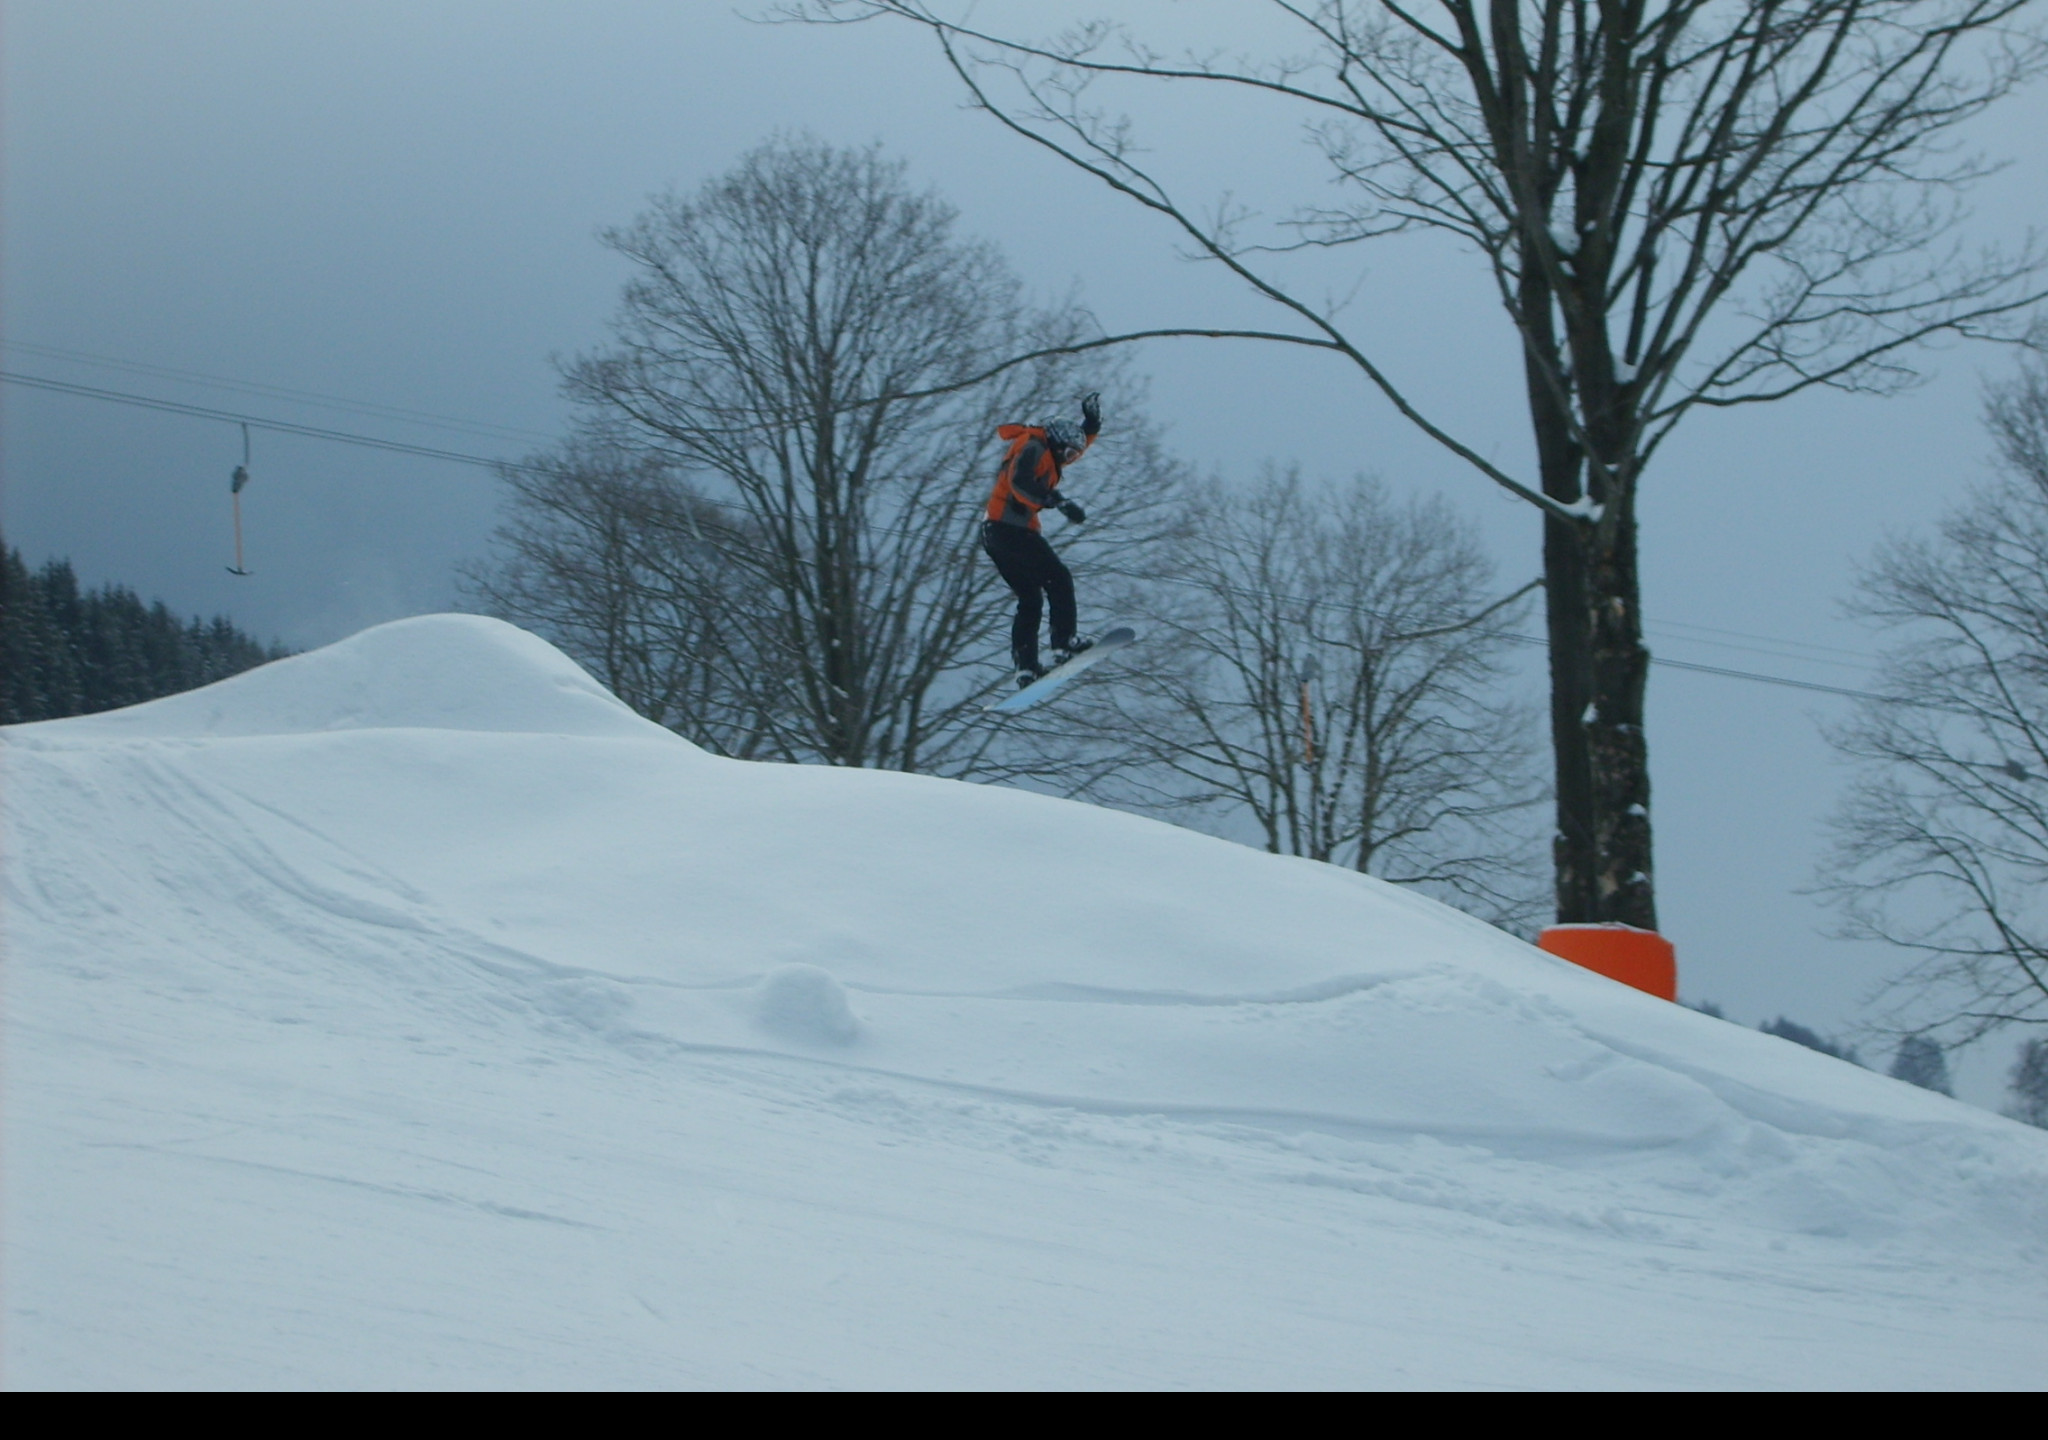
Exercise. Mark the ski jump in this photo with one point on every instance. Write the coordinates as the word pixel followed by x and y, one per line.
pixel 1028 482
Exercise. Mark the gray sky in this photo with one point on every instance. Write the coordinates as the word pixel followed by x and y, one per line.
pixel 397 203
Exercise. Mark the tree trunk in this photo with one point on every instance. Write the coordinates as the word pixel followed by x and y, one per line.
pixel 1574 848
pixel 1599 669
pixel 1618 749
pixel 1598 672
pixel 1598 664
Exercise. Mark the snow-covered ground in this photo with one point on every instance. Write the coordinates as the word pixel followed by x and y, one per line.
pixel 411 1014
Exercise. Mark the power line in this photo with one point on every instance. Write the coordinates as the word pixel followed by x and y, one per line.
pixel 1860 657
pixel 1780 680
pixel 345 437
pixel 1728 673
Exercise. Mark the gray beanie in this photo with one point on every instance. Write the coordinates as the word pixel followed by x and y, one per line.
pixel 1062 435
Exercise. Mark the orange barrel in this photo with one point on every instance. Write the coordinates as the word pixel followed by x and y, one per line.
pixel 1641 958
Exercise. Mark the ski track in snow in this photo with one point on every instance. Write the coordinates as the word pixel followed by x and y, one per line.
pixel 409 1014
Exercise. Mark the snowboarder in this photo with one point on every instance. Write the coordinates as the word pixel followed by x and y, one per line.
pixel 1029 482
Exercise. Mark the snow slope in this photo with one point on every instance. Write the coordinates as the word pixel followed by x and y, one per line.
pixel 411 1013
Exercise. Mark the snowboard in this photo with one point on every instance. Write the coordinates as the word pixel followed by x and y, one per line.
pixel 1057 679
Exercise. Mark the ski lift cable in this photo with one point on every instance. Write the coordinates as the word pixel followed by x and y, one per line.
pixel 438 453
pixel 279 392
pixel 255 422
pixel 430 452
pixel 1778 647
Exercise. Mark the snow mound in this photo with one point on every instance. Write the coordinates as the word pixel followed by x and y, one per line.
pixel 431 672
pixel 805 1004
pixel 418 1014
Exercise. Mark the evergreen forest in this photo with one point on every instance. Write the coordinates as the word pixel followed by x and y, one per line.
pixel 66 651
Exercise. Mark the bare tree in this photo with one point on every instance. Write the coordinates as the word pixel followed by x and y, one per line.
pixel 1330 671
pixel 1942 843
pixel 794 342
pixel 1685 204
pixel 611 555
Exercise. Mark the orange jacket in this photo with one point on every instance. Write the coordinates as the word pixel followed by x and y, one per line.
pixel 1023 489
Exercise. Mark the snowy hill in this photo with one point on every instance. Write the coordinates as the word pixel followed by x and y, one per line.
pixel 411 1013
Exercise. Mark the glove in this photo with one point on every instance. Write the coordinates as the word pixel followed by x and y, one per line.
pixel 1091 413
pixel 1073 512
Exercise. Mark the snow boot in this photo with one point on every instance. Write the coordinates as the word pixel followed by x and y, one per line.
pixel 1061 654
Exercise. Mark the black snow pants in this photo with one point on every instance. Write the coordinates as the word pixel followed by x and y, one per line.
pixel 1029 567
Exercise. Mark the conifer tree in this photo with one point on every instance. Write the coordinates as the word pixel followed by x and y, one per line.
pixel 1921 1061
pixel 1812 1039
pixel 2027 1089
pixel 64 651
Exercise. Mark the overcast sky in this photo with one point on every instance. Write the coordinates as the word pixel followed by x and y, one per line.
pixel 396 205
